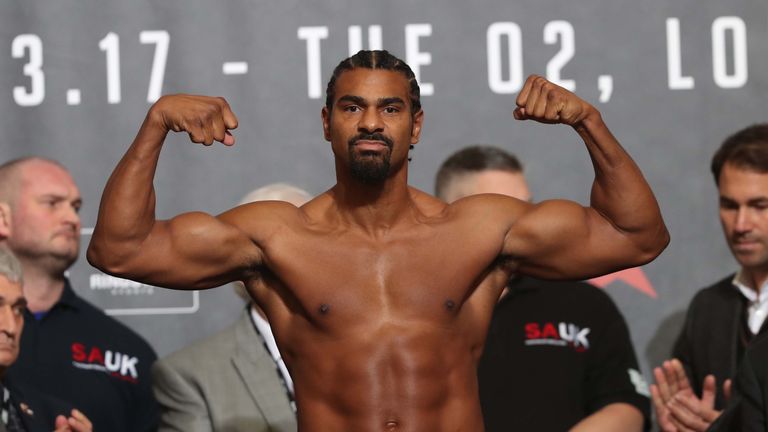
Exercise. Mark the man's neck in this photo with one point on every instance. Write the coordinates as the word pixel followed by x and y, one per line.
pixel 41 290
pixel 373 207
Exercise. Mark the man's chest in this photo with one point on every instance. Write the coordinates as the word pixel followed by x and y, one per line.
pixel 427 274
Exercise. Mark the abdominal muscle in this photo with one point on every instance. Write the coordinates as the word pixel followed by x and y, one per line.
pixel 404 377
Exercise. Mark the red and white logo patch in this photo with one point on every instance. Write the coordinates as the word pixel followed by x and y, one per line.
pixel 562 334
pixel 118 365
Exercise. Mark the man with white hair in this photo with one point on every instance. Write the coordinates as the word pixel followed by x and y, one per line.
pixel 25 411
pixel 234 380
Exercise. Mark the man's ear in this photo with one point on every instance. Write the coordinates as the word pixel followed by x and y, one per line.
pixel 5 221
pixel 326 123
pixel 418 120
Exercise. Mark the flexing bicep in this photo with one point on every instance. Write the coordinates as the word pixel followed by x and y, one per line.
pixel 564 240
pixel 190 251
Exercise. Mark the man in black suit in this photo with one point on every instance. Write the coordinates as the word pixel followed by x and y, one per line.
pixel 725 318
pixel 20 410
pixel 747 411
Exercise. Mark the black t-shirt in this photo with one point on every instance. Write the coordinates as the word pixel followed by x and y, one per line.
pixel 80 355
pixel 556 352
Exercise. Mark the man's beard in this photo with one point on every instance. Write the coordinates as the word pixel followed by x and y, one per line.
pixel 370 167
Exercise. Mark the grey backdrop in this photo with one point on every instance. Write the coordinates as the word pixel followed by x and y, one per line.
pixel 684 74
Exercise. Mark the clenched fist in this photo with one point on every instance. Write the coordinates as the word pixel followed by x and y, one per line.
pixel 546 102
pixel 206 119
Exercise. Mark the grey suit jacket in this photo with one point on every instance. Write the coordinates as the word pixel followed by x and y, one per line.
pixel 227 382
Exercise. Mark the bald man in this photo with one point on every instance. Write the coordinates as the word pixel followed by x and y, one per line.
pixel 69 349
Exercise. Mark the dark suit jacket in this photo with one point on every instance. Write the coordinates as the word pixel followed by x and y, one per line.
pixel 709 341
pixel 227 382
pixel 37 411
pixel 747 410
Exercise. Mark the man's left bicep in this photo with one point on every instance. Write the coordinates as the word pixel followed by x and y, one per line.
pixel 563 240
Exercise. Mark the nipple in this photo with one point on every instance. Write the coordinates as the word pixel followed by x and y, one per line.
pixel 324 308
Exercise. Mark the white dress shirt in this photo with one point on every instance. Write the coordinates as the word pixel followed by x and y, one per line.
pixel 758 302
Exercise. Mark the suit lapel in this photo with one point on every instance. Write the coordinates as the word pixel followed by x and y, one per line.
pixel 30 412
pixel 259 373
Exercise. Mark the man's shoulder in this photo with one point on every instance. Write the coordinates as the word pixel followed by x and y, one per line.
pixel 722 289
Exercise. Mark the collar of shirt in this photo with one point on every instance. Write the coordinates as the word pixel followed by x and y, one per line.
pixel 750 294
pixel 68 297
pixel 758 302
pixel 68 300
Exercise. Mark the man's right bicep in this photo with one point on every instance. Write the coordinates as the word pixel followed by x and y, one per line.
pixel 192 251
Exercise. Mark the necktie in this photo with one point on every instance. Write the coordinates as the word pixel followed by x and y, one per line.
pixel 9 416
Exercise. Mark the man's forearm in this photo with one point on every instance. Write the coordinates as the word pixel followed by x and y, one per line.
pixel 620 192
pixel 127 209
pixel 611 418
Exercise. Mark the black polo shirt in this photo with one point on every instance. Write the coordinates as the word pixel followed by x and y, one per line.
pixel 80 355
pixel 556 352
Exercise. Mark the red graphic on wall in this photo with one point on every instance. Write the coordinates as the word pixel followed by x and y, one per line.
pixel 634 277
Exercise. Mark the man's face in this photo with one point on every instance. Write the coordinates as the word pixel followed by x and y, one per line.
pixel 371 127
pixel 493 181
pixel 744 215
pixel 12 305
pixel 45 221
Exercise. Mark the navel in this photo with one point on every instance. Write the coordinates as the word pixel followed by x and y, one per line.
pixel 391 425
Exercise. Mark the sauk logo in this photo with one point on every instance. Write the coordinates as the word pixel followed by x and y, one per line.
pixel 562 334
pixel 116 364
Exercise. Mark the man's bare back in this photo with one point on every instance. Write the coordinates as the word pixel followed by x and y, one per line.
pixel 379 295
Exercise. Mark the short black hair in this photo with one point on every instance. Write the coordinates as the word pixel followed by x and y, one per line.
pixel 377 59
pixel 474 159
pixel 747 149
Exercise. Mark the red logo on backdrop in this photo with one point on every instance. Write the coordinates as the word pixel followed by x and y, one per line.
pixel 116 364
pixel 634 277
pixel 562 334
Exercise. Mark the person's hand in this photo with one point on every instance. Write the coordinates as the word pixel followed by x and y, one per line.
pixel 678 409
pixel 668 383
pixel 546 102
pixel 205 119
pixel 76 422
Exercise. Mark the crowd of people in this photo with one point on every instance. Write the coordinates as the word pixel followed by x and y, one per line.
pixel 376 306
